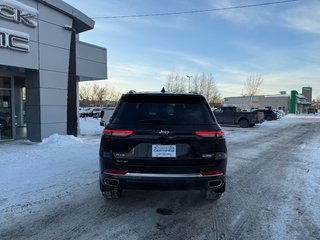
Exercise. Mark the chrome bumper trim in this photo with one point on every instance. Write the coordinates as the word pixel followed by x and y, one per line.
pixel 162 175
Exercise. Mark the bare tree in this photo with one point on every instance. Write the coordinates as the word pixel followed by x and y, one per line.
pixel 114 96
pixel 97 95
pixel 208 88
pixel 201 83
pixel 316 102
pixel 85 95
pixel 176 82
pixel 196 83
pixel 252 85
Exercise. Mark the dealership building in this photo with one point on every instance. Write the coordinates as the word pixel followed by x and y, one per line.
pixel 294 102
pixel 41 64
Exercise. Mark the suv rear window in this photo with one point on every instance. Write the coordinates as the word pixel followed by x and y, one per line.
pixel 175 110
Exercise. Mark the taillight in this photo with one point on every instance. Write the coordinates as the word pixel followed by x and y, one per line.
pixel 212 172
pixel 116 132
pixel 218 133
pixel 115 171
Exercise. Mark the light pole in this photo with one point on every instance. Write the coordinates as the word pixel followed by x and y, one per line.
pixel 189 76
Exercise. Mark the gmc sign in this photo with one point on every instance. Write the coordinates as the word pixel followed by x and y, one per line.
pixel 14 40
pixel 14 11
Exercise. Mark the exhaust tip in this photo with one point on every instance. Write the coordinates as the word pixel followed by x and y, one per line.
pixel 215 183
pixel 111 182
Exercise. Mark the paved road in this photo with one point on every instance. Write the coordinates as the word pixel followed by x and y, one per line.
pixel 269 196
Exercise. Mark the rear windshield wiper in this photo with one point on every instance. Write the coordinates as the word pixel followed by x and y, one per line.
pixel 155 121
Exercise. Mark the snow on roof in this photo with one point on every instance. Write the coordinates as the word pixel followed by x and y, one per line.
pixel 301 96
pixel 278 95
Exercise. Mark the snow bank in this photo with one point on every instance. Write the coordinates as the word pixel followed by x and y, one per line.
pixel 59 140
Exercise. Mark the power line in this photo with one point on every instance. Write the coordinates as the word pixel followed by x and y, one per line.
pixel 196 11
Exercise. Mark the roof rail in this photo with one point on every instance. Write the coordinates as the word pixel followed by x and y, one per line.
pixel 132 91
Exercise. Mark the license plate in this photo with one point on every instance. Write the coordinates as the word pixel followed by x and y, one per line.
pixel 164 151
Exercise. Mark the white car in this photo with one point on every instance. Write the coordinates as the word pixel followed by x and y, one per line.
pixel 280 113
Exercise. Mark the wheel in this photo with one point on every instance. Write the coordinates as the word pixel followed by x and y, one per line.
pixel 110 193
pixel 244 123
pixel 210 194
pixel 269 118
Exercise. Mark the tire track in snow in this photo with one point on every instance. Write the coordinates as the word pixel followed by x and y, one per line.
pixel 252 178
pixel 237 215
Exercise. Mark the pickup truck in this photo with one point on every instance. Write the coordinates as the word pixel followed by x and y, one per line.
pixel 234 116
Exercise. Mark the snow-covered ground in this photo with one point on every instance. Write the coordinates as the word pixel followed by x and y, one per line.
pixel 36 179
pixel 90 126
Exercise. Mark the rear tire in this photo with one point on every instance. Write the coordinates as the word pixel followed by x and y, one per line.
pixel 210 194
pixel 244 123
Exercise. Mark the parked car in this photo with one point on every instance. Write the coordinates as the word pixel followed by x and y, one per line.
pixel 312 110
pixel 280 113
pixel 96 112
pixel 269 114
pixel 163 141
pixel 234 116
pixel 86 112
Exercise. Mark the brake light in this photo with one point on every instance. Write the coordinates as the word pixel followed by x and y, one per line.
pixel 212 172
pixel 115 171
pixel 116 132
pixel 122 132
pixel 218 133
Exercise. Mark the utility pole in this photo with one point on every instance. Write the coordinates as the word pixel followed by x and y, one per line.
pixel 189 76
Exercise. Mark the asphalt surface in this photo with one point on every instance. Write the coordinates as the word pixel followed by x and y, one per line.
pixel 266 198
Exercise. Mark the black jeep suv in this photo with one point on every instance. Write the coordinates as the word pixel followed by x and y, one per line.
pixel 163 141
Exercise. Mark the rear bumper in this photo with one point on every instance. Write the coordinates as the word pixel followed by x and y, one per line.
pixel 145 181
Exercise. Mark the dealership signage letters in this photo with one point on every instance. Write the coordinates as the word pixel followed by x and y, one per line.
pixel 14 40
pixel 17 12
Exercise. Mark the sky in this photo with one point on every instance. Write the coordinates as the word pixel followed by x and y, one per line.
pixel 280 42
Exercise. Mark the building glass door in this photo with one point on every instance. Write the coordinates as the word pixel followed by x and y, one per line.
pixel 6 129
pixel 20 107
